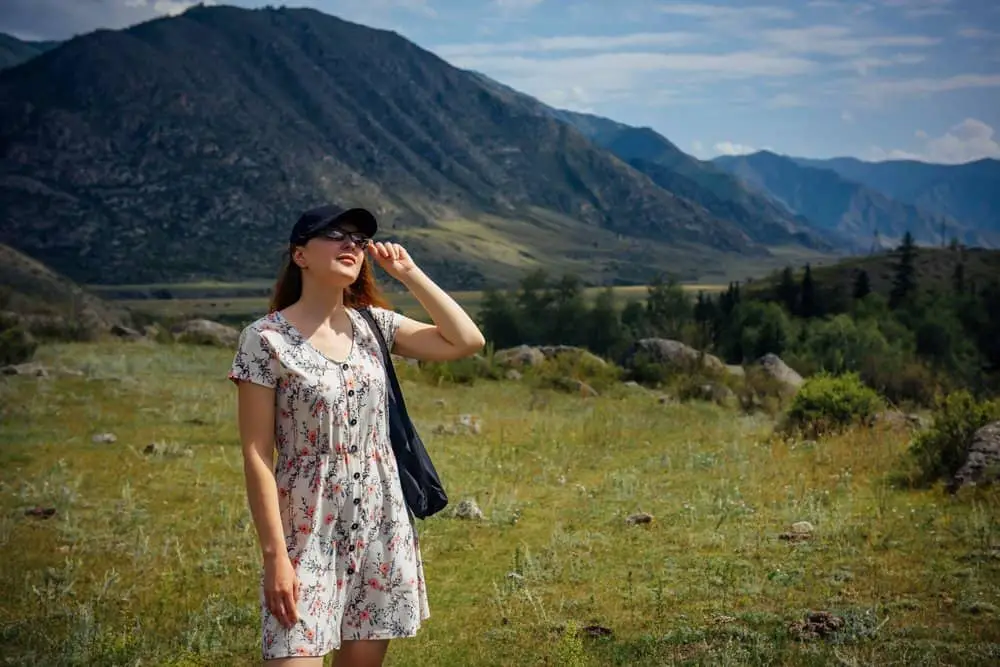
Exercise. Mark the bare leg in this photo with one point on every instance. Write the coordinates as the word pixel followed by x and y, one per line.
pixel 294 662
pixel 361 653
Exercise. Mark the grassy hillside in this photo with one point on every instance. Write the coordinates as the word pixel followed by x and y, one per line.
pixel 29 288
pixel 934 268
pixel 14 51
pixel 151 557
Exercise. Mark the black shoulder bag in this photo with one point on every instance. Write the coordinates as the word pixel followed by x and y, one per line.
pixel 422 487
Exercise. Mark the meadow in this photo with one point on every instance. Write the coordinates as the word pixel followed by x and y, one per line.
pixel 140 550
pixel 228 301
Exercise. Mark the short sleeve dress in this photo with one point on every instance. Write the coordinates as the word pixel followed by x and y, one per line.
pixel 348 531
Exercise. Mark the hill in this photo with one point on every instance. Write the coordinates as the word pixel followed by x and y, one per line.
pixel 934 269
pixel 968 192
pixel 674 170
pixel 840 205
pixel 14 51
pixel 48 301
pixel 182 148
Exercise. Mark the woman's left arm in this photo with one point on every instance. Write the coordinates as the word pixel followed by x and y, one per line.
pixel 453 334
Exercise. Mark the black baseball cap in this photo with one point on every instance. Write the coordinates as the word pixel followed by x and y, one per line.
pixel 315 220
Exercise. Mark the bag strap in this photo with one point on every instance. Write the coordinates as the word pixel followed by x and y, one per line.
pixel 395 393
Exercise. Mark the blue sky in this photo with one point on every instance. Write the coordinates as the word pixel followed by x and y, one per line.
pixel 816 78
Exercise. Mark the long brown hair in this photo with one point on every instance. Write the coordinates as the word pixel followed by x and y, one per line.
pixel 364 291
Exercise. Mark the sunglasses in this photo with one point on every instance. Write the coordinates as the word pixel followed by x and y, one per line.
pixel 340 235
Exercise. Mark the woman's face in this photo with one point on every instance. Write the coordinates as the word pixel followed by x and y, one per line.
pixel 334 257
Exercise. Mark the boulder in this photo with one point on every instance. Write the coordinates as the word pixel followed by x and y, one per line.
pixel 774 367
pixel 205 332
pixel 672 353
pixel 982 461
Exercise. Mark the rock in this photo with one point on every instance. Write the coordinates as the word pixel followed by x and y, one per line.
pixel 40 512
pixel 800 532
pixel 817 624
pixel 736 371
pixel 205 332
pixel 513 374
pixel 773 366
pixel 31 369
pixel 671 353
pixel 464 424
pixel 527 355
pixel 104 438
pixel 125 332
pixel 522 355
pixel 982 460
pixel 640 518
pixel 469 510
pixel 717 393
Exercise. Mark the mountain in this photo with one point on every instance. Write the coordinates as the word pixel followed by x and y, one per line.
pixel 182 149
pixel 838 204
pixel 968 192
pixel 48 303
pixel 674 170
pixel 14 51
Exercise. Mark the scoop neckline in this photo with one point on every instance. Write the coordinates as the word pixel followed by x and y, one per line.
pixel 305 341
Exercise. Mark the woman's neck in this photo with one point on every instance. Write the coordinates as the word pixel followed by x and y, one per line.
pixel 319 303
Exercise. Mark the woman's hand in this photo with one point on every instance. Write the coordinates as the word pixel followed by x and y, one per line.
pixel 281 589
pixel 393 258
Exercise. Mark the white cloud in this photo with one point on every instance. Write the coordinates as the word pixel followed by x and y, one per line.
pixel 966 141
pixel 166 7
pixel 786 101
pixel 916 9
pixel 730 148
pixel 927 86
pixel 516 5
pixel 568 43
pixel 978 33
pixel 835 40
pixel 847 116
pixel 715 12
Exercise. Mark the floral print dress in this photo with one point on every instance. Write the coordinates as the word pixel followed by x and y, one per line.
pixel 348 532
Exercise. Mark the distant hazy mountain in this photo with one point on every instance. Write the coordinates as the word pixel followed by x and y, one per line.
pixel 841 205
pixel 182 148
pixel 701 182
pixel 969 192
pixel 14 51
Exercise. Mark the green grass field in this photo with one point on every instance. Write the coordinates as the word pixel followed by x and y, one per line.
pixel 151 558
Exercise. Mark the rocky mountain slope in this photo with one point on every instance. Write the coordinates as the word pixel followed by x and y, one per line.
pixel 840 205
pixel 182 148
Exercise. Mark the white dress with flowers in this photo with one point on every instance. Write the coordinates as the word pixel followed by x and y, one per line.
pixel 348 532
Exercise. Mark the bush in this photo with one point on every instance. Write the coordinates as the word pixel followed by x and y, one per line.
pixel 940 451
pixel 17 346
pixel 828 404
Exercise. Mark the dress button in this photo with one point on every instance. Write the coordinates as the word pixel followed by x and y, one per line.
pixel 350 548
pixel 350 570
pixel 350 392
pixel 357 475
pixel 354 526
pixel 357 501
pixel 354 449
pixel 353 422
pixel 344 366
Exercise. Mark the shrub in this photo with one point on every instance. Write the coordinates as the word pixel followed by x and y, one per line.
pixel 828 404
pixel 16 346
pixel 940 451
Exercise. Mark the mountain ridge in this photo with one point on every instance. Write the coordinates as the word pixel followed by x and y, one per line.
pixel 840 205
pixel 261 112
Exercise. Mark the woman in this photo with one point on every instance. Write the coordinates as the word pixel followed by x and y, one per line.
pixel 341 562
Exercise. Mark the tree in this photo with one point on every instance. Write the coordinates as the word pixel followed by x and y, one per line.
pixel 788 291
pixel 667 308
pixel 862 285
pixel 604 331
pixel 808 301
pixel 904 283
